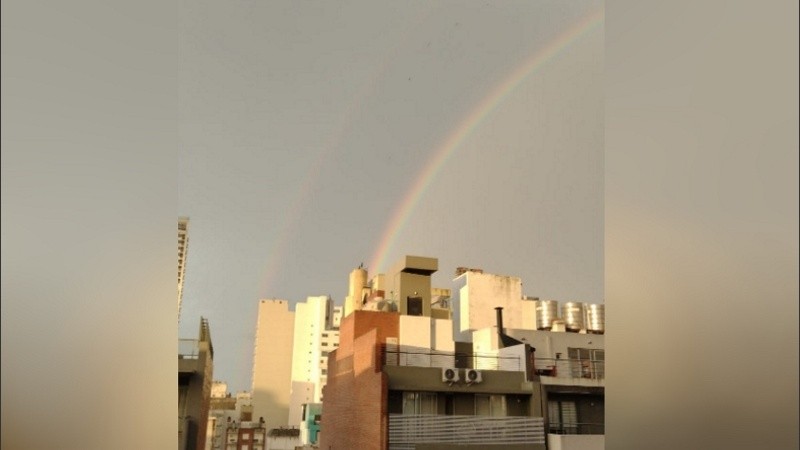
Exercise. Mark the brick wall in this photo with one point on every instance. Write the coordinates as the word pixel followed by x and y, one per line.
pixel 354 411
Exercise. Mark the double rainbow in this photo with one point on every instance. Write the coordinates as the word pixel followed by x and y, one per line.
pixel 406 207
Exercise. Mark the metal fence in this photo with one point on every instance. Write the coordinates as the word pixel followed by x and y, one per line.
pixel 571 368
pixel 576 428
pixel 188 348
pixel 405 431
pixel 393 356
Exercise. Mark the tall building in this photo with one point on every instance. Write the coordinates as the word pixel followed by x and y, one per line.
pixel 272 362
pixel 410 377
pixel 195 372
pixel 315 335
pixel 183 247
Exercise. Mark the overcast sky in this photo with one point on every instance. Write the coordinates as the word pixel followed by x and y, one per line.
pixel 305 126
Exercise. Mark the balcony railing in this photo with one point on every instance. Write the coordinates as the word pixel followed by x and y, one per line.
pixel 576 428
pixel 188 348
pixel 405 431
pixel 435 358
pixel 571 368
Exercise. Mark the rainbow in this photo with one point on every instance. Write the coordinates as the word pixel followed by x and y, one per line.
pixel 304 194
pixel 403 211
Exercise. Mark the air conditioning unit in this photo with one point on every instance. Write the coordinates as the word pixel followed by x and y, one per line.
pixel 473 376
pixel 449 375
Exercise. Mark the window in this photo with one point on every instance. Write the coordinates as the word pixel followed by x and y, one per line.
pixel 245 436
pixel 490 405
pixel 414 306
pixel 587 363
pixel 415 403
pixel 563 416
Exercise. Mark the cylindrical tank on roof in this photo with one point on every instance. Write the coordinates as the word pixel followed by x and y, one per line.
pixel 573 313
pixel 546 313
pixel 595 318
pixel 358 280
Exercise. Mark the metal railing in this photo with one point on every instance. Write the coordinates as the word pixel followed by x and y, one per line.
pixel 576 428
pixel 435 358
pixel 188 348
pixel 571 368
pixel 405 431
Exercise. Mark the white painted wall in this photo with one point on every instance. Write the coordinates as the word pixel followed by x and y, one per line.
pixel 302 392
pixel 548 343
pixel 576 442
pixel 272 362
pixel 415 336
pixel 313 335
pixel 482 293
pixel 282 443
pixel 426 335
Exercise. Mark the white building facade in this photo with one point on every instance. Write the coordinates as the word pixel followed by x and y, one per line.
pixel 315 335
pixel 272 362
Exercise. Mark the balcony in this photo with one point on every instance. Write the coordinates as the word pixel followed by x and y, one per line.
pixel 188 348
pixel 576 442
pixel 405 431
pixel 417 357
pixel 571 371
pixel 577 428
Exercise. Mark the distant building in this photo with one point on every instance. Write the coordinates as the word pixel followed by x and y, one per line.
pixel 272 362
pixel 310 427
pixel 315 335
pixel 247 436
pixel 183 247
pixel 225 410
pixel 195 372
pixel 283 439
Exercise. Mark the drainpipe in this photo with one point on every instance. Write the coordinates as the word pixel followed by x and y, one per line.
pixel 500 330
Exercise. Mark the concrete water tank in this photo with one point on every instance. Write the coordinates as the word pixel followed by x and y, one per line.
pixel 573 314
pixel 546 313
pixel 358 280
pixel 595 318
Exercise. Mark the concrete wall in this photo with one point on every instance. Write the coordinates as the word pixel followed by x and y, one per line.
pixel 411 277
pixel 456 307
pixel 442 335
pixel 282 443
pixel 575 442
pixel 475 295
pixel 195 378
pixel 430 379
pixel 313 320
pixel 548 343
pixel 302 392
pixel 272 362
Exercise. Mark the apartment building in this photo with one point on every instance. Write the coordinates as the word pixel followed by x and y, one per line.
pixel 272 362
pixel 315 336
pixel 183 248
pixel 195 372
pixel 403 378
pixel 398 382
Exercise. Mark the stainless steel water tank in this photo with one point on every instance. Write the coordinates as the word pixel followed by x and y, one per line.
pixel 546 312
pixel 572 313
pixel 595 318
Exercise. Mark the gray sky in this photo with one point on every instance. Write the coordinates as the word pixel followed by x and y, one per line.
pixel 305 126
